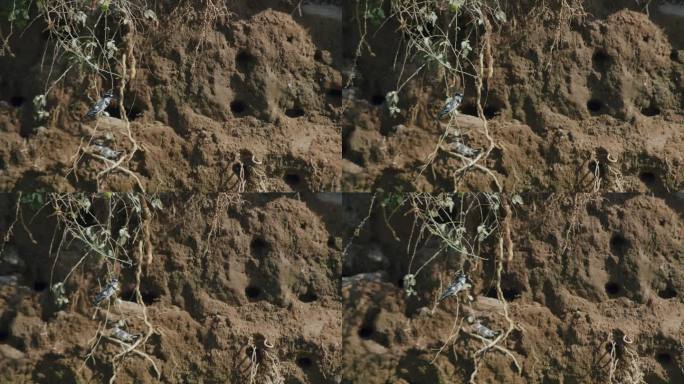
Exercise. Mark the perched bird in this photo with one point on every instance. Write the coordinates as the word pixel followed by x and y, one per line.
pixel 105 151
pixel 484 331
pixel 452 104
pixel 108 291
pixel 463 149
pixel 122 335
pixel 460 283
pixel 101 105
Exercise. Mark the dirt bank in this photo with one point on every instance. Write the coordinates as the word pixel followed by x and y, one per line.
pixel 238 98
pixel 236 286
pixel 594 95
pixel 586 272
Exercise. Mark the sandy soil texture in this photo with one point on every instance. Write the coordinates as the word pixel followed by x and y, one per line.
pixel 237 287
pixel 593 289
pixel 243 98
pixel 569 101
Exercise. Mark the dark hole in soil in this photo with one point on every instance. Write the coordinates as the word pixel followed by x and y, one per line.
pixel 509 294
pixel 612 288
pixel 238 107
pixel 294 112
pixel 335 93
pixel 308 296
pixel 491 111
pixel 667 293
pixel 39 285
pixel 618 244
pixel 4 335
pixel 259 247
pixel 663 358
pixel 377 99
pixel 253 292
pixel 244 61
pixel 128 295
pixel 650 111
pixel 304 362
pixel 647 177
pixel 132 113
pixel 17 101
pixel 237 169
pixel 149 297
pixel 366 332
pixel 292 179
pixel 468 109
pixel 331 242
pixel 400 283
pixel 594 105
pixel 600 58
pixel 674 55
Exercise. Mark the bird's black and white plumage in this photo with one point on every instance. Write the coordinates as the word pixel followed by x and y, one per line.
pixel 459 284
pixel 452 104
pixel 123 335
pixel 109 290
pixel 101 105
pixel 483 331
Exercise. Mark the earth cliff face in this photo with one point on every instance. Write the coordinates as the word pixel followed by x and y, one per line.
pixel 593 290
pixel 238 286
pixel 245 98
pixel 598 95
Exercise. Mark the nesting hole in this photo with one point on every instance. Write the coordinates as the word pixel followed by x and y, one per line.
pixel 39 285
pixel 17 101
pixel 149 297
pixel 132 113
pixel 509 294
pixel 491 111
pixel 613 288
pixel 650 111
pixel 238 107
pixel 667 293
pixel 304 362
pixel 253 292
pixel 4 335
pixel 647 177
pixel 594 105
pixel 377 99
pixel 600 59
pixel 259 247
pixel 618 244
pixel 366 332
pixel 244 61
pixel 294 112
pixel 335 93
pixel 663 358
pixel 469 109
pixel 292 179
pixel 308 297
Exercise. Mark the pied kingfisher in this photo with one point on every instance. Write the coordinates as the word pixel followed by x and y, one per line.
pixel 460 283
pixel 108 291
pixel 101 105
pixel 452 104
